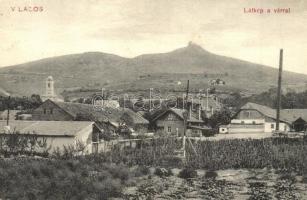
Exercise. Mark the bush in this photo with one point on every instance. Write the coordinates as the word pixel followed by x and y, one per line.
pixel 77 178
pixel 210 175
pixel 188 173
pixel 162 172
pixel 142 170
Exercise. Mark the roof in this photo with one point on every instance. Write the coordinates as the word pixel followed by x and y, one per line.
pixel 99 114
pixel 294 114
pixel 136 117
pixel 47 128
pixel 179 113
pixel 286 115
pixel 265 110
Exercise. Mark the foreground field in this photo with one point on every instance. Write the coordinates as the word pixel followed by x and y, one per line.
pixel 228 184
pixel 270 168
pixel 85 178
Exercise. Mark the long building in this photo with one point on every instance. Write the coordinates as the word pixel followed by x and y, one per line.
pixel 56 134
pixel 255 118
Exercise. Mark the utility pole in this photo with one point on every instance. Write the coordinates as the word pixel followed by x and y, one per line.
pixel 207 96
pixel 185 120
pixel 8 111
pixel 150 97
pixel 200 105
pixel 102 94
pixel 279 89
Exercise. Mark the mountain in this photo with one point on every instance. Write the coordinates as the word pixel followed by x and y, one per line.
pixel 162 70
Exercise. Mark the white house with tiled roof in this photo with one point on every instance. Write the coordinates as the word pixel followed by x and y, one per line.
pixel 57 134
pixel 255 118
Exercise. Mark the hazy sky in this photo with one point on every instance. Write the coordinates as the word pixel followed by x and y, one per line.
pixel 133 27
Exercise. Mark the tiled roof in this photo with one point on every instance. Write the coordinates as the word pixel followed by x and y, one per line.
pixel 267 111
pixel 100 114
pixel 48 128
pixel 286 115
pixel 179 113
pixel 15 125
pixel 136 117
pixel 293 114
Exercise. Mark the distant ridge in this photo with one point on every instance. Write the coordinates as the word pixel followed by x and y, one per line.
pixel 161 70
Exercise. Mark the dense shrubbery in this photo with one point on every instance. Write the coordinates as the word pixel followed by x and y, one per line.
pixel 210 175
pixel 162 172
pixel 188 173
pixel 278 153
pixel 23 144
pixel 104 175
pixel 80 178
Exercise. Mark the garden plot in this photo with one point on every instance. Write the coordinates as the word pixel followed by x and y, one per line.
pixel 222 184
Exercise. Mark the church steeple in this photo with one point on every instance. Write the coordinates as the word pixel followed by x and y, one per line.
pixel 49 86
pixel 50 94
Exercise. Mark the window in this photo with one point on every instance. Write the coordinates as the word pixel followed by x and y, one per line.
pixel 170 117
pixel 51 111
pixel 254 122
pixel 272 126
pixel 48 85
pixel 169 129
pixel 247 114
pixel 45 111
pixel 242 122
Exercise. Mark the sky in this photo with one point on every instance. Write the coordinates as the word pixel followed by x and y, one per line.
pixel 132 27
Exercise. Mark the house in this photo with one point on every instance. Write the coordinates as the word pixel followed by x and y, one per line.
pixel 297 118
pixel 61 111
pixel 255 118
pixel 134 120
pixel 171 122
pixel 57 134
pixel 66 111
pixel 217 82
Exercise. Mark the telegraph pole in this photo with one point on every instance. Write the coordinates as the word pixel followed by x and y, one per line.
pixel 150 98
pixel 279 89
pixel 8 111
pixel 185 120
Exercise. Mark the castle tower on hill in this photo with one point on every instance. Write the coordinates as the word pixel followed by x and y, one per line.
pixel 50 94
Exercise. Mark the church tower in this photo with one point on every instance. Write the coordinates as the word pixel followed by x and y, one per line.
pixel 50 86
pixel 49 90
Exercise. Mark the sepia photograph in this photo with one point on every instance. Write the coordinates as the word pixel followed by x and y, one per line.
pixel 153 100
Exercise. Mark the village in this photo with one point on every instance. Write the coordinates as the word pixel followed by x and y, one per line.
pixel 153 100
pixel 189 147
pixel 101 123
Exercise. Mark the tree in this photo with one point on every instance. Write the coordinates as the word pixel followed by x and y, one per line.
pixel 220 118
